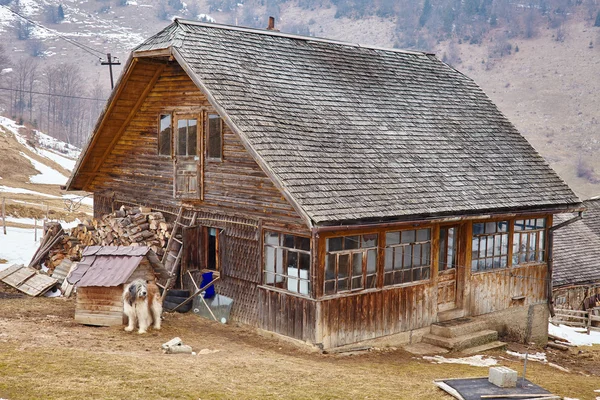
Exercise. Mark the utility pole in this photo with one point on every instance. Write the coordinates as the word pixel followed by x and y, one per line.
pixel 110 63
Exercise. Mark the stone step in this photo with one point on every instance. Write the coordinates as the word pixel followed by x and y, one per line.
pixel 495 345
pixel 463 341
pixel 457 327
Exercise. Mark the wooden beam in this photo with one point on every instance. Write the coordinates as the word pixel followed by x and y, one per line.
pixel 131 115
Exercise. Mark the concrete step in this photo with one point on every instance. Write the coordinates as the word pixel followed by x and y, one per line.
pixel 457 327
pixel 463 341
pixel 495 345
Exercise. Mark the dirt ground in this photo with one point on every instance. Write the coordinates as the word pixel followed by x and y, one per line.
pixel 44 354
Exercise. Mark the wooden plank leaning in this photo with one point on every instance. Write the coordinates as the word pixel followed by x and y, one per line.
pixel 198 291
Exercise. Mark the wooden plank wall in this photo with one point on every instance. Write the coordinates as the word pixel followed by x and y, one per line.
pixel 287 314
pixel 353 318
pixel 99 306
pixel 495 290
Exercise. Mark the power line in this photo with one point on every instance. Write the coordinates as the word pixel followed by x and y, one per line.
pixel 82 46
pixel 52 94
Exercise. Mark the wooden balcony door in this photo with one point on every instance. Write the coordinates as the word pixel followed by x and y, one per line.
pixel 188 156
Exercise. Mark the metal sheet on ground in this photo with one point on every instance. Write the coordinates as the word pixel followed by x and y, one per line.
pixel 475 388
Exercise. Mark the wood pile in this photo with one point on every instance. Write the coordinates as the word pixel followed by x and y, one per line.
pixel 128 226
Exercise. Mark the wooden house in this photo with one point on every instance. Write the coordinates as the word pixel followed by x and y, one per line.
pixel 343 192
pixel 101 275
pixel 577 258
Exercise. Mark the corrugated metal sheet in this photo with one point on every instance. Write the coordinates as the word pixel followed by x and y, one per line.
pixel 109 266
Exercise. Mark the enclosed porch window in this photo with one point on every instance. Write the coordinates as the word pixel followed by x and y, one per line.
pixel 489 245
pixel 529 240
pixel 287 262
pixel 407 256
pixel 350 263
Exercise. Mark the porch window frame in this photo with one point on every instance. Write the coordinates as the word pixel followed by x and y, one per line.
pixel 405 245
pixel 309 281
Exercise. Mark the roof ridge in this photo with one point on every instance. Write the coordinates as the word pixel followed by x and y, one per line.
pixel 295 36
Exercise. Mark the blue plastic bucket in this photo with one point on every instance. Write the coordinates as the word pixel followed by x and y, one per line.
pixel 207 278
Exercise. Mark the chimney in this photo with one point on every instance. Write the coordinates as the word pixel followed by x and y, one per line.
pixel 271 26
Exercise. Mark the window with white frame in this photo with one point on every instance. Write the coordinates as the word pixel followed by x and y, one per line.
pixel 287 262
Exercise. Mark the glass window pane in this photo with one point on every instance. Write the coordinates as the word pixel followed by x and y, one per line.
pixel 389 259
pixel 541 223
pixel 474 265
pixel 279 262
pixel 357 282
pixel 423 235
pixel 482 247
pixel 490 227
pixel 330 266
pixel 334 244
pixel 191 139
pixel 519 225
pixel 504 261
pixel 425 273
pixel 304 261
pixel 357 263
pixel 214 136
pixel 408 236
pixel 269 278
pixel 342 284
pixel 351 242
pixel 477 229
pixel 329 287
pixel 164 136
pixel 292 259
pixel 426 254
pixel 371 281
pixel 407 257
pixel 288 241
pixel 181 137
pixel 272 238
pixel 343 265
pixel 392 238
pixel 398 258
pixel 303 243
pixel 416 274
pixel 503 226
pixel 270 259
pixel 416 255
pixel 369 240
pixel 371 261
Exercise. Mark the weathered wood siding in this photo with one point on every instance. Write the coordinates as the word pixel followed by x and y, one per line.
pixel 288 314
pixel 498 290
pixel 134 171
pixel 362 316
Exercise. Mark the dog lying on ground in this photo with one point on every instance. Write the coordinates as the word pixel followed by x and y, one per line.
pixel 142 304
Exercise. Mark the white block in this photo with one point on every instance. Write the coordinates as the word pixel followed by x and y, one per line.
pixel 503 377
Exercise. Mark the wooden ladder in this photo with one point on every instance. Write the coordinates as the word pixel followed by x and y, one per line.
pixel 175 254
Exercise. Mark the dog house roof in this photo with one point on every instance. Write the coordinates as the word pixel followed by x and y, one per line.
pixel 110 266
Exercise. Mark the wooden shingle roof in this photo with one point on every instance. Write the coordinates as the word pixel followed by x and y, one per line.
pixel 576 251
pixel 362 133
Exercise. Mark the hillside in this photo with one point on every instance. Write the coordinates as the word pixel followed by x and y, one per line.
pixel 547 88
pixel 33 167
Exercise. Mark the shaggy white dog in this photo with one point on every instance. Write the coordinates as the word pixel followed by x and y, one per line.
pixel 141 304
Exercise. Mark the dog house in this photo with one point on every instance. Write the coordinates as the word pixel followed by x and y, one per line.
pixel 101 275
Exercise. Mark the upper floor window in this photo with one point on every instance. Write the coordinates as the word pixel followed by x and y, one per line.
pixel 287 262
pixel 489 248
pixel 407 256
pixel 214 148
pixel 350 263
pixel 164 135
pixel 529 240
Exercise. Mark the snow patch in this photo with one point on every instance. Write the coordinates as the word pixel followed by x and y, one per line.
pixel 541 357
pixel 47 175
pixel 7 189
pixel 18 246
pixel 64 162
pixel 475 361
pixel 572 335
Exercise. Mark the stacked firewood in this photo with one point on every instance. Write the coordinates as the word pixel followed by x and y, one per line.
pixel 128 226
